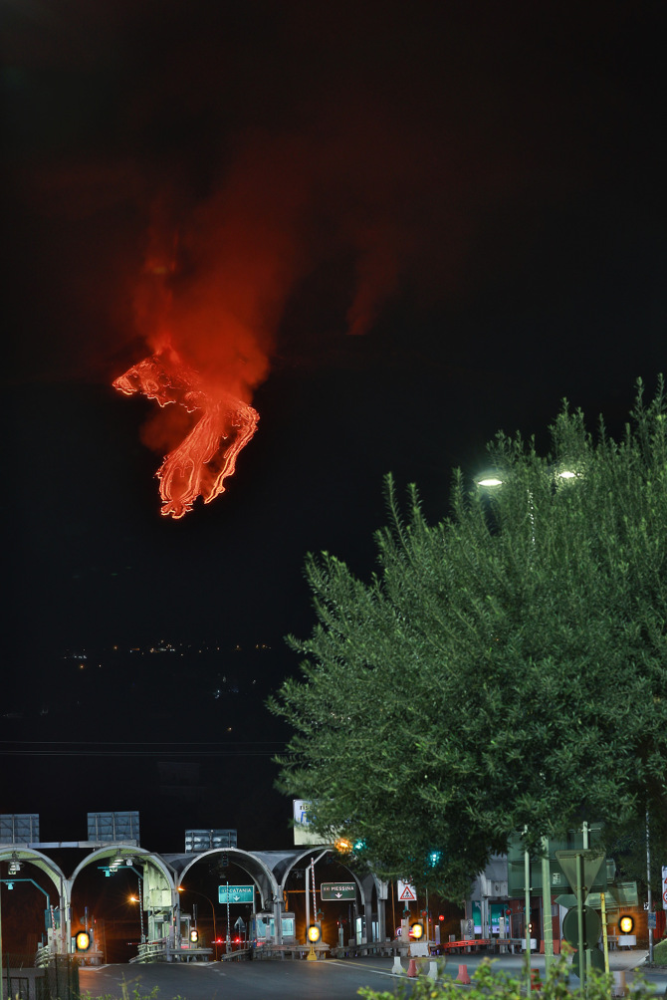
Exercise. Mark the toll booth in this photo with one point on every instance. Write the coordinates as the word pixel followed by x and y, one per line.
pixel 263 929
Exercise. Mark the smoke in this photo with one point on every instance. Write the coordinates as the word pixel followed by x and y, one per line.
pixel 214 159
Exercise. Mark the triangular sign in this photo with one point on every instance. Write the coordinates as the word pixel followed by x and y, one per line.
pixel 407 893
pixel 591 866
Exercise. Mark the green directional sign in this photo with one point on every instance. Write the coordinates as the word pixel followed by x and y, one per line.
pixel 338 890
pixel 236 893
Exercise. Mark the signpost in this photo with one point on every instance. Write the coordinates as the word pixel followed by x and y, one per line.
pixel 338 890
pixel 240 926
pixel 236 893
pixel 583 924
pixel 406 892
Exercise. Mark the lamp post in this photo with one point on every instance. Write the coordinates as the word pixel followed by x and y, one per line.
pixel 310 873
pixel 492 481
pixel 1 993
pixel 137 899
pixel 10 882
pixel 196 892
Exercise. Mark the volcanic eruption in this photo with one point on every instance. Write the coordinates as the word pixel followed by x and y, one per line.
pixel 207 455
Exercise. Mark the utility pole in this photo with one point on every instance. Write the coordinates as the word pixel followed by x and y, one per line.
pixel 228 941
pixel 648 884
pixel 526 870
pixel 546 907
pixel 1 994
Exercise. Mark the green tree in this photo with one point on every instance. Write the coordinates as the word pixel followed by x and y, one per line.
pixel 502 670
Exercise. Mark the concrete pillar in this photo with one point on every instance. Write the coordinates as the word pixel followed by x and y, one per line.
pixel 65 916
pixel 277 916
pixel 382 920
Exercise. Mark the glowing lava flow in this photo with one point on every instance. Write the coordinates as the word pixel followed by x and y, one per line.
pixel 204 459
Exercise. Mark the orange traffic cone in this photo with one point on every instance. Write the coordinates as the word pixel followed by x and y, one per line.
pixel 412 969
pixel 463 976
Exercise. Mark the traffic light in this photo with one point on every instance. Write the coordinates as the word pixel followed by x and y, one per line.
pixel 626 924
pixel 83 940
pixel 314 934
pixel 194 935
pixel 417 931
pixel 225 859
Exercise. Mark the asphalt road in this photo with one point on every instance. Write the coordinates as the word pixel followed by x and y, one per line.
pixel 290 980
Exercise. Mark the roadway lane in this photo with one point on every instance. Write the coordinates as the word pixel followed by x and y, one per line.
pixel 289 980
pixel 329 980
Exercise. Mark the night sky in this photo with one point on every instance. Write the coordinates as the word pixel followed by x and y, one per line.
pixel 437 220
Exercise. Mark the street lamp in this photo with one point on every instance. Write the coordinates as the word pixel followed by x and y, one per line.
pixel 10 883
pixel 489 482
pixel 137 899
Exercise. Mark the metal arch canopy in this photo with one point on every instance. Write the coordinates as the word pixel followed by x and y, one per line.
pixel 251 862
pixel 37 859
pixel 126 851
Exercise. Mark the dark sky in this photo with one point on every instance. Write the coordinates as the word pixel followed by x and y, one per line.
pixel 437 219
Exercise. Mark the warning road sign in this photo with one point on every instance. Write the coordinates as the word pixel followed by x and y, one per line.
pixel 406 892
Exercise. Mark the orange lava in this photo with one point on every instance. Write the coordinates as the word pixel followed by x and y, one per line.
pixel 199 465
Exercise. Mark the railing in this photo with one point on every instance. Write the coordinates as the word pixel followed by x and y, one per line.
pixel 43 956
pixel 151 951
pixel 241 955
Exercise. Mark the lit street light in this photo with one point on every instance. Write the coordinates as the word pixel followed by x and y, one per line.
pixel 137 899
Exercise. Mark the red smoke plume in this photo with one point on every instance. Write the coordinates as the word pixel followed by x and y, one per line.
pixel 368 143
pixel 208 305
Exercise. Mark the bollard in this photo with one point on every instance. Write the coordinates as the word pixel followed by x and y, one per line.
pixel 397 968
pixel 412 969
pixel 535 982
pixel 463 976
pixel 619 989
pixel 432 971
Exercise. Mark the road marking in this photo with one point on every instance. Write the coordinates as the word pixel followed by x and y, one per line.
pixel 361 965
pixel 96 968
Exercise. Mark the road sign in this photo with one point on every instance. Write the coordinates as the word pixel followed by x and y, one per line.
pixel 240 925
pixel 592 862
pixel 652 921
pixel 338 890
pixel 406 892
pixel 237 894
pixel 591 927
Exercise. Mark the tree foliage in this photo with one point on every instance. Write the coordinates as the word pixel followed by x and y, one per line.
pixel 502 670
pixel 490 981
